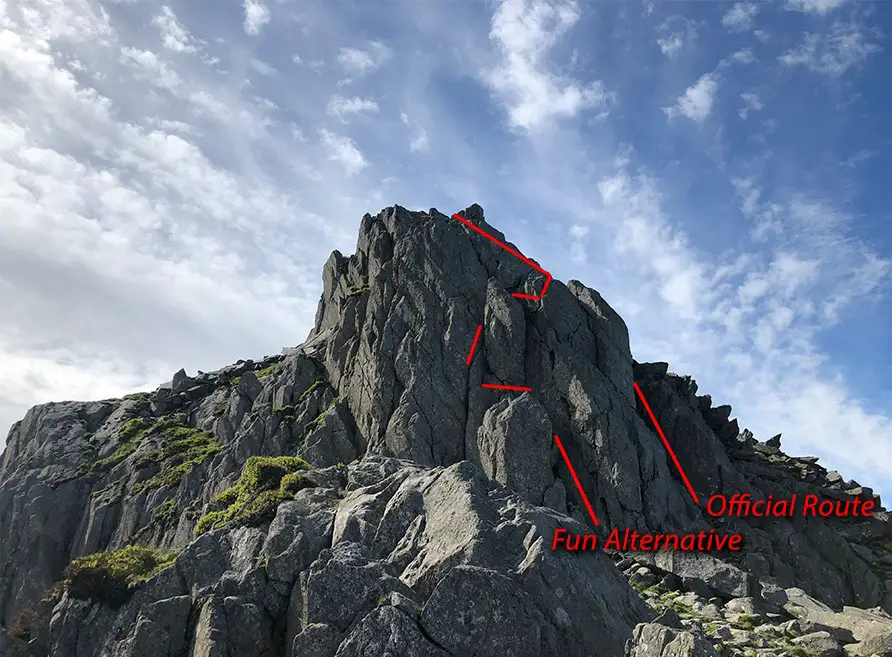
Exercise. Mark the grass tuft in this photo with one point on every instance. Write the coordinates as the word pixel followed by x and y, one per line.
pixel 111 577
pixel 265 482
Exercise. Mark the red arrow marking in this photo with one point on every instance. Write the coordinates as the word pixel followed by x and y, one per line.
pixel 666 442
pixel 474 344
pixel 495 386
pixel 515 253
pixel 588 506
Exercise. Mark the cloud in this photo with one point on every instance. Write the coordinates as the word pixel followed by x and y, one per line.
pixel 419 143
pixel 740 16
pixel 697 100
pixel 753 315
pixel 257 15
pixel 832 54
pixel 751 104
pixel 359 62
pixel 152 68
pixel 344 151
pixel 675 32
pixel 743 56
pixel 173 35
pixel 139 217
pixel 262 67
pixel 671 44
pixel 343 107
pixel 524 32
pixel 814 6
pixel 145 194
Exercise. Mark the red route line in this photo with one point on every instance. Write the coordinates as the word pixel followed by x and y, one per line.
pixel 588 506
pixel 666 442
pixel 515 253
pixel 495 386
pixel 474 344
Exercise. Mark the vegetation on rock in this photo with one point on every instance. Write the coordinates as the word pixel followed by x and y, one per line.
pixel 111 577
pixel 309 391
pixel 264 483
pixel 266 371
pixel 316 421
pixel 182 449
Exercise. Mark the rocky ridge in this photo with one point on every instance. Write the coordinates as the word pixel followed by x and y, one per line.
pixel 362 494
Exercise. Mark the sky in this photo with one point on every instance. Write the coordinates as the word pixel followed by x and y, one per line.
pixel 173 177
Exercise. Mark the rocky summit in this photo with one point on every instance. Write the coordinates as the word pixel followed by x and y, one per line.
pixel 393 487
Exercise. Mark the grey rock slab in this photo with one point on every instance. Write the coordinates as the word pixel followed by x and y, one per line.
pixel 652 640
pixel 819 644
pixel 298 533
pixel 317 640
pixel 514 444
pixel 723 578
pixel 388 632
pixel 343 584
pixel 210 639
pixel 504 335
pixel 475 611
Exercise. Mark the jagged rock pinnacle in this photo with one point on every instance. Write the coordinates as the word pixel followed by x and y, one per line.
pixel 365 493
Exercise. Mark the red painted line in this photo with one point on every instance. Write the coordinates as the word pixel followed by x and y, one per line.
pixel 515 253
pixel 474 344
pixel 588 506
pixel 666 443
pixel 494 386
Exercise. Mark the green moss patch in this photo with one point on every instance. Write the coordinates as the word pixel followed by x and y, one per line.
pixel 220 408
pixel 315 422
pixel 266 371
pixel 309 391
pixel 111 577
pixel 287 413
pixel 356 291
pixel 129 439
pixel 265 482
pixel 166 512
pixel 182 449
pixel 138 396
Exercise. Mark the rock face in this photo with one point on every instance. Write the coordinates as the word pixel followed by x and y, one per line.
pixel 419 521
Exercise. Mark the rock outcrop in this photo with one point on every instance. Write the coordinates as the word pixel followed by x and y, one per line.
pixel 365 494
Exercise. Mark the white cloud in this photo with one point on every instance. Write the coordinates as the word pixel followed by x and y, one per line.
pixel 744 56
pixel 740 16
pixel 697 100
pixel 752 103
pixel 262 67
pixel 154 69
pixel 173 35
pixel 137 214
pixel 360 62
pixel 344 151
pixel 832 54
pixel 671 44
pixel 420 142
pixel 814 6
pixel 343 107
pixel 524 31
pixel 257 15
pixel 754 317
pixel 137 218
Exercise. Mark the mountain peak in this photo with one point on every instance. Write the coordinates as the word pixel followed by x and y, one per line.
pixel 398 481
